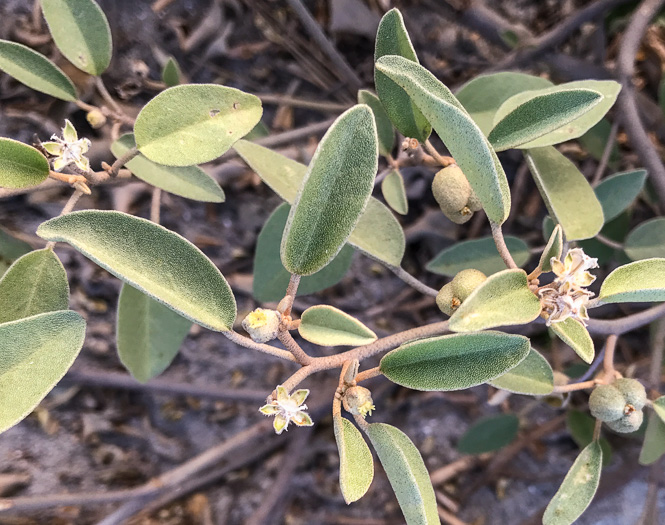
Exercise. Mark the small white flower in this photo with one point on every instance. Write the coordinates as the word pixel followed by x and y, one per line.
pixel 287 408
pixel 68 149
pixel 572 272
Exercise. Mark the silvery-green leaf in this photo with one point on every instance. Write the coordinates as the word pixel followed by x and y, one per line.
pixel 567 194
pixel 647 240
pixel 533 116
pixel 393 39
pixel 479 254
pixel 188 181
pixel 148 334
pixel 21 165
pixel 356 466
pixel 454 362
pixel 384 127
pixel 467 144
pixel 578 488
pixel 552 249
pixel 653 446
pixel 502 299
pixel 406 472
pixel 533 376
pixel 194 123
pixel 36 353
pixel 327 326
pixel 394 192
pixel 81 31
pixel 576 336
pixel 581 427
pixel 157 261
pixel 617 193
pixel 489 434
pixel 10 250
pixel 636 282
pixel 35 71
pixel 333 194
pixel 35 284
pixel 171 73
pixel 595 140
pixel 659 407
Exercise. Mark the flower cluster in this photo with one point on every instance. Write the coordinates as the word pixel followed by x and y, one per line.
pixel 68 149
pixel 287 408
pixel 567 296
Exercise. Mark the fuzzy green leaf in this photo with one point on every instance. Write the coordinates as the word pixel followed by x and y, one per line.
pixel 384 127
pixel 489 434
pixel 10 250
pixel 659 407
pixel 576 336
pixel 194 123
pixel 581 426
pixel 533 376
pixel 334 193
pixel 595 140
pixel 35 71
pixel 653 446
pixel 327 326
pixel 532 117
pixel 21 166
pixel 566 193
pixel 617 193
pixel 502 299
pixel 578 488
pixel 394 192
pixel 479 254
pixel 636 282
pixel 462 137
pixel 356 466
pixel 35 284
pixel 171 73
pixel 157 261
pixel 647 240
pixel 81 31
pixel 36 353
pixel 188 181
pixel 454 362
pixel 148 334
pixel 393 39
pixel 406 472
pixel 552 249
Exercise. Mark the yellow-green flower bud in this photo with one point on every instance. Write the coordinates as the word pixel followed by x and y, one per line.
pixel 262 325
pixel 96 118
pixel 358 401
pixel 452 191
pixel 628 423
pixel 446 301
pixel 466 282
pixel 633 392
pixel 607 403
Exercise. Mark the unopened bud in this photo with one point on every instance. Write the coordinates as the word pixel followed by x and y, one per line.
pixel 358 401
pixel 466 282
pixel 262 325
pixel 96 119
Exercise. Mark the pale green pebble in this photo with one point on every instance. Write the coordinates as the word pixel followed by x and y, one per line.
pixel 627 424
pixel 633 392
pixel 466 282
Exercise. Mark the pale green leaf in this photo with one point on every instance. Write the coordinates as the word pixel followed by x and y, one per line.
pixel 333 194
pixel 406 472
pixel 489 434
pixel 148 334
pixel 653 446
pixel 578 488
pixel 157 261
pixel 35 284
pixel 384 127
pixel 467 144
pixel 394 192
pixel 21 165
pixel 479 254
pixel 454 362
pixel 533 376
pixel 581 426
pixel 636 282
pixel 576 336
pixel 659 407
pixel 188 181
pixel 595 140
pixel 194 123
pixel 393 39
pixel 617 193
pixel 327 326
pixel 10 250
pixel 36 353
pixel 356 466
pixel 567 194
pixel 647 240
pixel 171 73
pixel 81 31
pixel 552 249
pixel 35 71
pixel 502 299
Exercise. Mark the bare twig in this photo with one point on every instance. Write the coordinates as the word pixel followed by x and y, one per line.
pixel 292 346
pixel 607 153
pixel 266 349
pixel 657 349
pixel 69 206
pixel 626 324
pixel 500 242
pixel 608 359
pixel 156 205
pixel 443 160
pixel 114 168
pixel 411 280
pixel 285 100
pixel 573 387
pixel 609 242
pixel 368 374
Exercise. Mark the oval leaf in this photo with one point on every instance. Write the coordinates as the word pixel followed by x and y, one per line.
pixel 489 434
pixel 333 194
pixel 502 299
pixel 653 446
pixel 393 190
pixel 35 284
pixel 36 353
pixel 533 376
pixel 406 472
pixel 578 488
pixel 194 123
pixel 567 194
pixel 356 466
pixel 520 123
pixel 617 193
pixel 81 31
pixel 21 166
pixel 35 71
pixel 647 240
pixel 384 127
pixel 171 73
pixel 479 254
pixel 637 282
pixel 460 134
pixel 148 334
pixel 553 248
pixel 10 250
pixel 327 326
pixel 393 39
pixel 189 181
pixel 454 362
pixel 157 261
pixel 581 426
pixel 576 336
pixel 659 407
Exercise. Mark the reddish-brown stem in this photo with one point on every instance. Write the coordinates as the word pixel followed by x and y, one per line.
pixel 292 346
pixel 608 359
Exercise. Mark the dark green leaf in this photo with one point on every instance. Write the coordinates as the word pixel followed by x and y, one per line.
pixel 581 426
pixel 10 250
pixel 552 249
pixel 171 73
pixel 392 188
pixel 489 434
pixel 616 193
pixel 647 240
pixel 384 126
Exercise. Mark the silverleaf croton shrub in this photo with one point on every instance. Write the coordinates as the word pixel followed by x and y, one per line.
pixel 489 293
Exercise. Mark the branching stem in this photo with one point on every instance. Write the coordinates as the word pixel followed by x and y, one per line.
pixel 500 242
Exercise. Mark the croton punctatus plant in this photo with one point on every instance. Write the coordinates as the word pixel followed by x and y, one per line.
pixel 307 244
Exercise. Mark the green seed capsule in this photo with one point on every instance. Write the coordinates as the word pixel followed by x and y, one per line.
pixel 633 392
pixel 452 191
pixel 474 202
pixel 446 301
pixel 466 282
pixel 629 423
pixel 607 403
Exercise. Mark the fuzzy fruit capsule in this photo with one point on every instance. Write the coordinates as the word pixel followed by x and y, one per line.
pixel 628 423
pixel 633 392
pixel 358 401
pixel 606 403
pixel 466 282
pixel 446 301
pixel 454 194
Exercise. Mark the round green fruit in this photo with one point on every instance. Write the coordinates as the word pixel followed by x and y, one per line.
pixel 452 191
pixel 466 282
pixel 607 403
pixel 633 392
pixel 628 423
pixel 446 301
